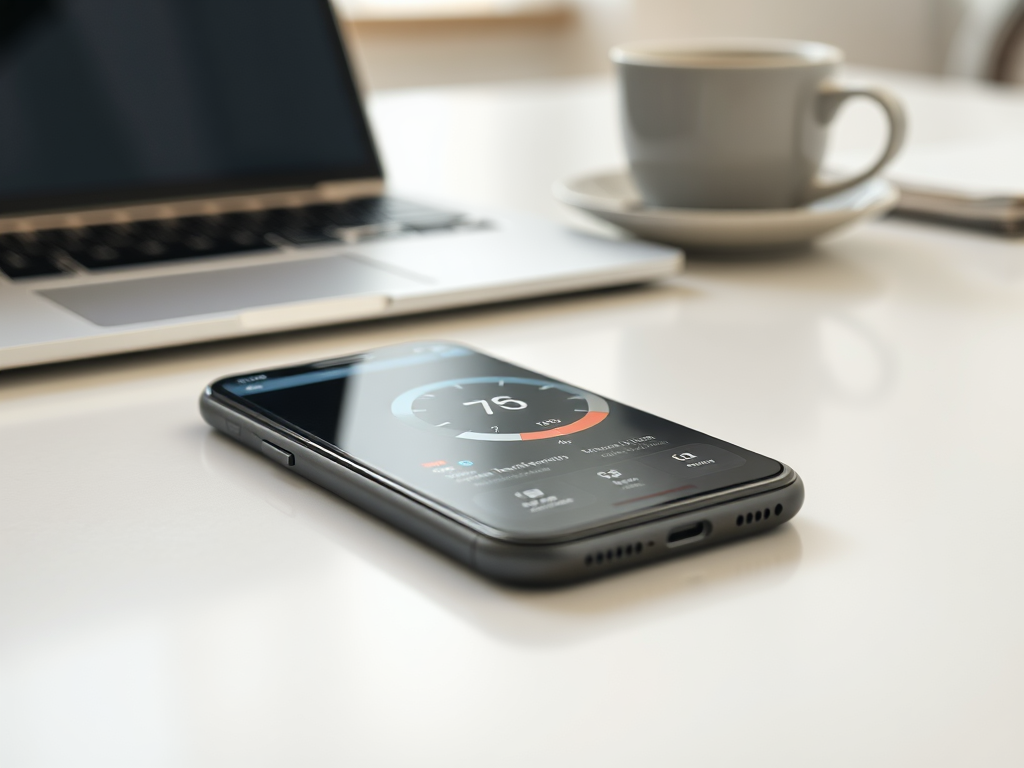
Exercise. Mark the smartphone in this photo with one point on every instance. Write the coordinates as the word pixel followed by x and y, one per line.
pixel 523 478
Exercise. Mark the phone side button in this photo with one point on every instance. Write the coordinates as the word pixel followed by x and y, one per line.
pixel 280 455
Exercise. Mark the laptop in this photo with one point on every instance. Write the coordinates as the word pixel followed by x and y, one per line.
pixel 179 171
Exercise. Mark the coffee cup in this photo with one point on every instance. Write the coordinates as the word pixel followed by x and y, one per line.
pixel 736 123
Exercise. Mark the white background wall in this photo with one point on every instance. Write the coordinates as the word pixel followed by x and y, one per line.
pixel 890 33
pixel 904 34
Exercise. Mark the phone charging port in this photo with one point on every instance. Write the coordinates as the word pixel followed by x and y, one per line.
pixel 688 533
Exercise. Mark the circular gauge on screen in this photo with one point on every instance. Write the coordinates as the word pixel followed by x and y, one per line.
pixel 500 408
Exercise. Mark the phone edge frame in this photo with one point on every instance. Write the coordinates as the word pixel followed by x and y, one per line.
pixel 544 563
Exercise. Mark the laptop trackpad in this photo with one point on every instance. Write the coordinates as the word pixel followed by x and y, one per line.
pixel 226 290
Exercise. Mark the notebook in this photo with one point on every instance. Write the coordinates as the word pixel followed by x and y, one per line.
pixel 974 182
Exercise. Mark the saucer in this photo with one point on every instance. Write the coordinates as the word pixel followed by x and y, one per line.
pixel 613 197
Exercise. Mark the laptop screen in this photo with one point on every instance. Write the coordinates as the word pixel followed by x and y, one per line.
pixel 111 101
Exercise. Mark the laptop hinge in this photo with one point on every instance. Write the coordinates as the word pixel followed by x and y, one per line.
pixel 324 192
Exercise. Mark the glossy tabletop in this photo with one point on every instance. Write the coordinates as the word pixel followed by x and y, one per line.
pixel 169 599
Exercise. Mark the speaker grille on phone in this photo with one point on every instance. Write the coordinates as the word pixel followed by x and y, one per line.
pixel 616 553
pixel 757 516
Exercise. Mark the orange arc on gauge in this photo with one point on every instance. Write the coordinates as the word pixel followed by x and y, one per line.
pixel 592 418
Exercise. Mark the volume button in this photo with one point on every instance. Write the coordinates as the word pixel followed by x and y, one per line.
pixel 278 454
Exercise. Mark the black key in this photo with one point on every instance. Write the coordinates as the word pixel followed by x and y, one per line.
pixel 203 225
pixel 281 217
pixel 305 235
pixel 161 229
pixel 62 243
pixel 342 216
pixel 161 240
pixel 80 252
pixel 152 248
pixel 322 214
pixel 253 221
pixel 314 223
pixel 102 254
pixel 199 243
pixel 357 213
pixel 16 264
pixel 248 230
pixel 239 243
pixel 26 244
pixel 115 236
pixel 248 238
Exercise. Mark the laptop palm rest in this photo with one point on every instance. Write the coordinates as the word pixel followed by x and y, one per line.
pixel 169 297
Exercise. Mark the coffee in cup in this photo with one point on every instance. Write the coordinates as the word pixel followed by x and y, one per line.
pixel 736 123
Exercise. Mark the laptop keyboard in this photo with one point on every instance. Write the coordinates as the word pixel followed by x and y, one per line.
pixel 55 251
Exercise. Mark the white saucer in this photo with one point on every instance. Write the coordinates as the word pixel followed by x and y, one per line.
pixel 613 197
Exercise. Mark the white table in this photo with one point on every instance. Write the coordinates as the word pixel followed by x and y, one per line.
pixel 167 599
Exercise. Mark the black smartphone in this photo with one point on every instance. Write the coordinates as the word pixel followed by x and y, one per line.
pixel 524 478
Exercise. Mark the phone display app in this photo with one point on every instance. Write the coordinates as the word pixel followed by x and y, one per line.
pixel 510 448
pixel 501 408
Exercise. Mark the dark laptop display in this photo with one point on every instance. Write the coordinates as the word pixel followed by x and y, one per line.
pixel 126 100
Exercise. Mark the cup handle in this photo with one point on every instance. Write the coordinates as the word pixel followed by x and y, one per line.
pixel 830 97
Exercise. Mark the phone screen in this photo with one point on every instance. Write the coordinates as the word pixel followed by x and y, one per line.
pixel 517 451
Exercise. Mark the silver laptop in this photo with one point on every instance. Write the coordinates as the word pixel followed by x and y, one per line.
pixel 175 171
